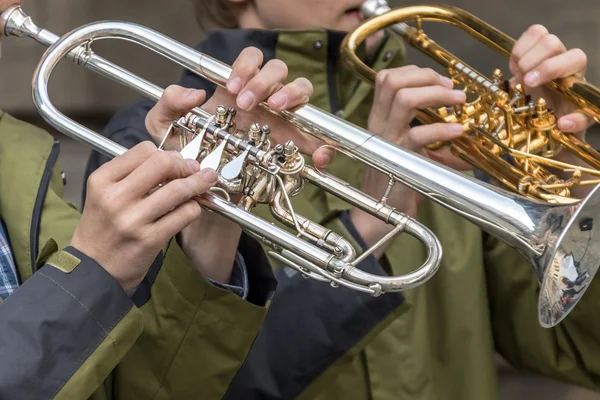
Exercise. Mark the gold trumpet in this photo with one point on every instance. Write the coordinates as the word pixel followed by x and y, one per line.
pixel 500 122
pixel 512 140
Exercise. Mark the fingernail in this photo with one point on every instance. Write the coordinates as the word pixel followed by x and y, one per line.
pixel 193 164
pixel 532 78
pixel 210 175
pixel 245 100
pixel 567 125
pixel 234 85
pixel 279 98
pixel 456 128
pixel 459 95
pixel 326 160
pixel 447 82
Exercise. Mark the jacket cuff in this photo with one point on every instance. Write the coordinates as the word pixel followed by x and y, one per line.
pixel 196 289
pixel 238 283
pixel 79 323
pixel 261 280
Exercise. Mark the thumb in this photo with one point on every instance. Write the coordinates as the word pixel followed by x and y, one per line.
pixel 323 156
pixel 576 122
pixel 175 102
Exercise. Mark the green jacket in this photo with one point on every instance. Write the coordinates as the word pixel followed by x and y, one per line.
pixel 70 331
pixel 483 299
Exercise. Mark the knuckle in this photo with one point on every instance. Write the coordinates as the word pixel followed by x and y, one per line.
pixel 147 236
pixel 394 81
pixel 112 199
pixel 381 78
pixel 164 161
pixel 198 185
pixel 279 65
pixel 190 211
pixel 403 99
pixel 125 225
pixel 253 51
pixel 147 146
pixel 178 190
pixel 537 29
pixel 553 42
pixel 305 85
pixel 431 74
pixel 170 92
pixel 95 181
pixel 580 55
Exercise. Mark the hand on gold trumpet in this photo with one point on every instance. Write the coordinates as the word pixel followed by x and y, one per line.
pixel 539 57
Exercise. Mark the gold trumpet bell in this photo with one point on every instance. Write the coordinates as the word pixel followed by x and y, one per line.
pixel 514 141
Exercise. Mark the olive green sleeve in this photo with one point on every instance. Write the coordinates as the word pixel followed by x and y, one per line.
pixel 196 335
pixel 569 352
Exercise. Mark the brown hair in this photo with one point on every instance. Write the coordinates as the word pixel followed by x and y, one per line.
pixel 216 14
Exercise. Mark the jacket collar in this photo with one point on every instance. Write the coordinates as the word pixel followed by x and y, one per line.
pixel 30 181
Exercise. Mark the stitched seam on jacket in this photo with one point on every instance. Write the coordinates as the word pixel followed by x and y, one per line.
pixel 90 349
pixel 79 301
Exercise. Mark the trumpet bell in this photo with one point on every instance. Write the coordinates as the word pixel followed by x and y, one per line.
pixel 571 260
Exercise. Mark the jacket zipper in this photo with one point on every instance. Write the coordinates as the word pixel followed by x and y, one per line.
pixel 36 221
pixel 334 103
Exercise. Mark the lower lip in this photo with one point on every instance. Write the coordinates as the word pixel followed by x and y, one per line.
pixel 355 15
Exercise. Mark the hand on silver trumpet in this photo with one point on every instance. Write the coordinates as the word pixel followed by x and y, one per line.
pixel 123 227
pixel 539 57
pixel 399 93
pixel 248 85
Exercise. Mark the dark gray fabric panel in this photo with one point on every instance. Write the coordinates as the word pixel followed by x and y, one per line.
pixel 52 324
pixel 308 328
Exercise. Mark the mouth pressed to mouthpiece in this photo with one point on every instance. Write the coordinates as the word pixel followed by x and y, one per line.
pixel 353 13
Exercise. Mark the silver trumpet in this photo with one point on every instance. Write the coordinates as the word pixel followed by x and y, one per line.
pixel 550 237
pixel 247 163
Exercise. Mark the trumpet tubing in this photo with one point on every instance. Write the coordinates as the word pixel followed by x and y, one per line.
pixel 549 236
pixel 248 164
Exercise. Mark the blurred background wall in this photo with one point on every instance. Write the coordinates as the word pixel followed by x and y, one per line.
pixel 92 100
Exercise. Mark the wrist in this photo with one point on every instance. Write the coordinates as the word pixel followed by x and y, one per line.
pixel 210 244
pixel 126 278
